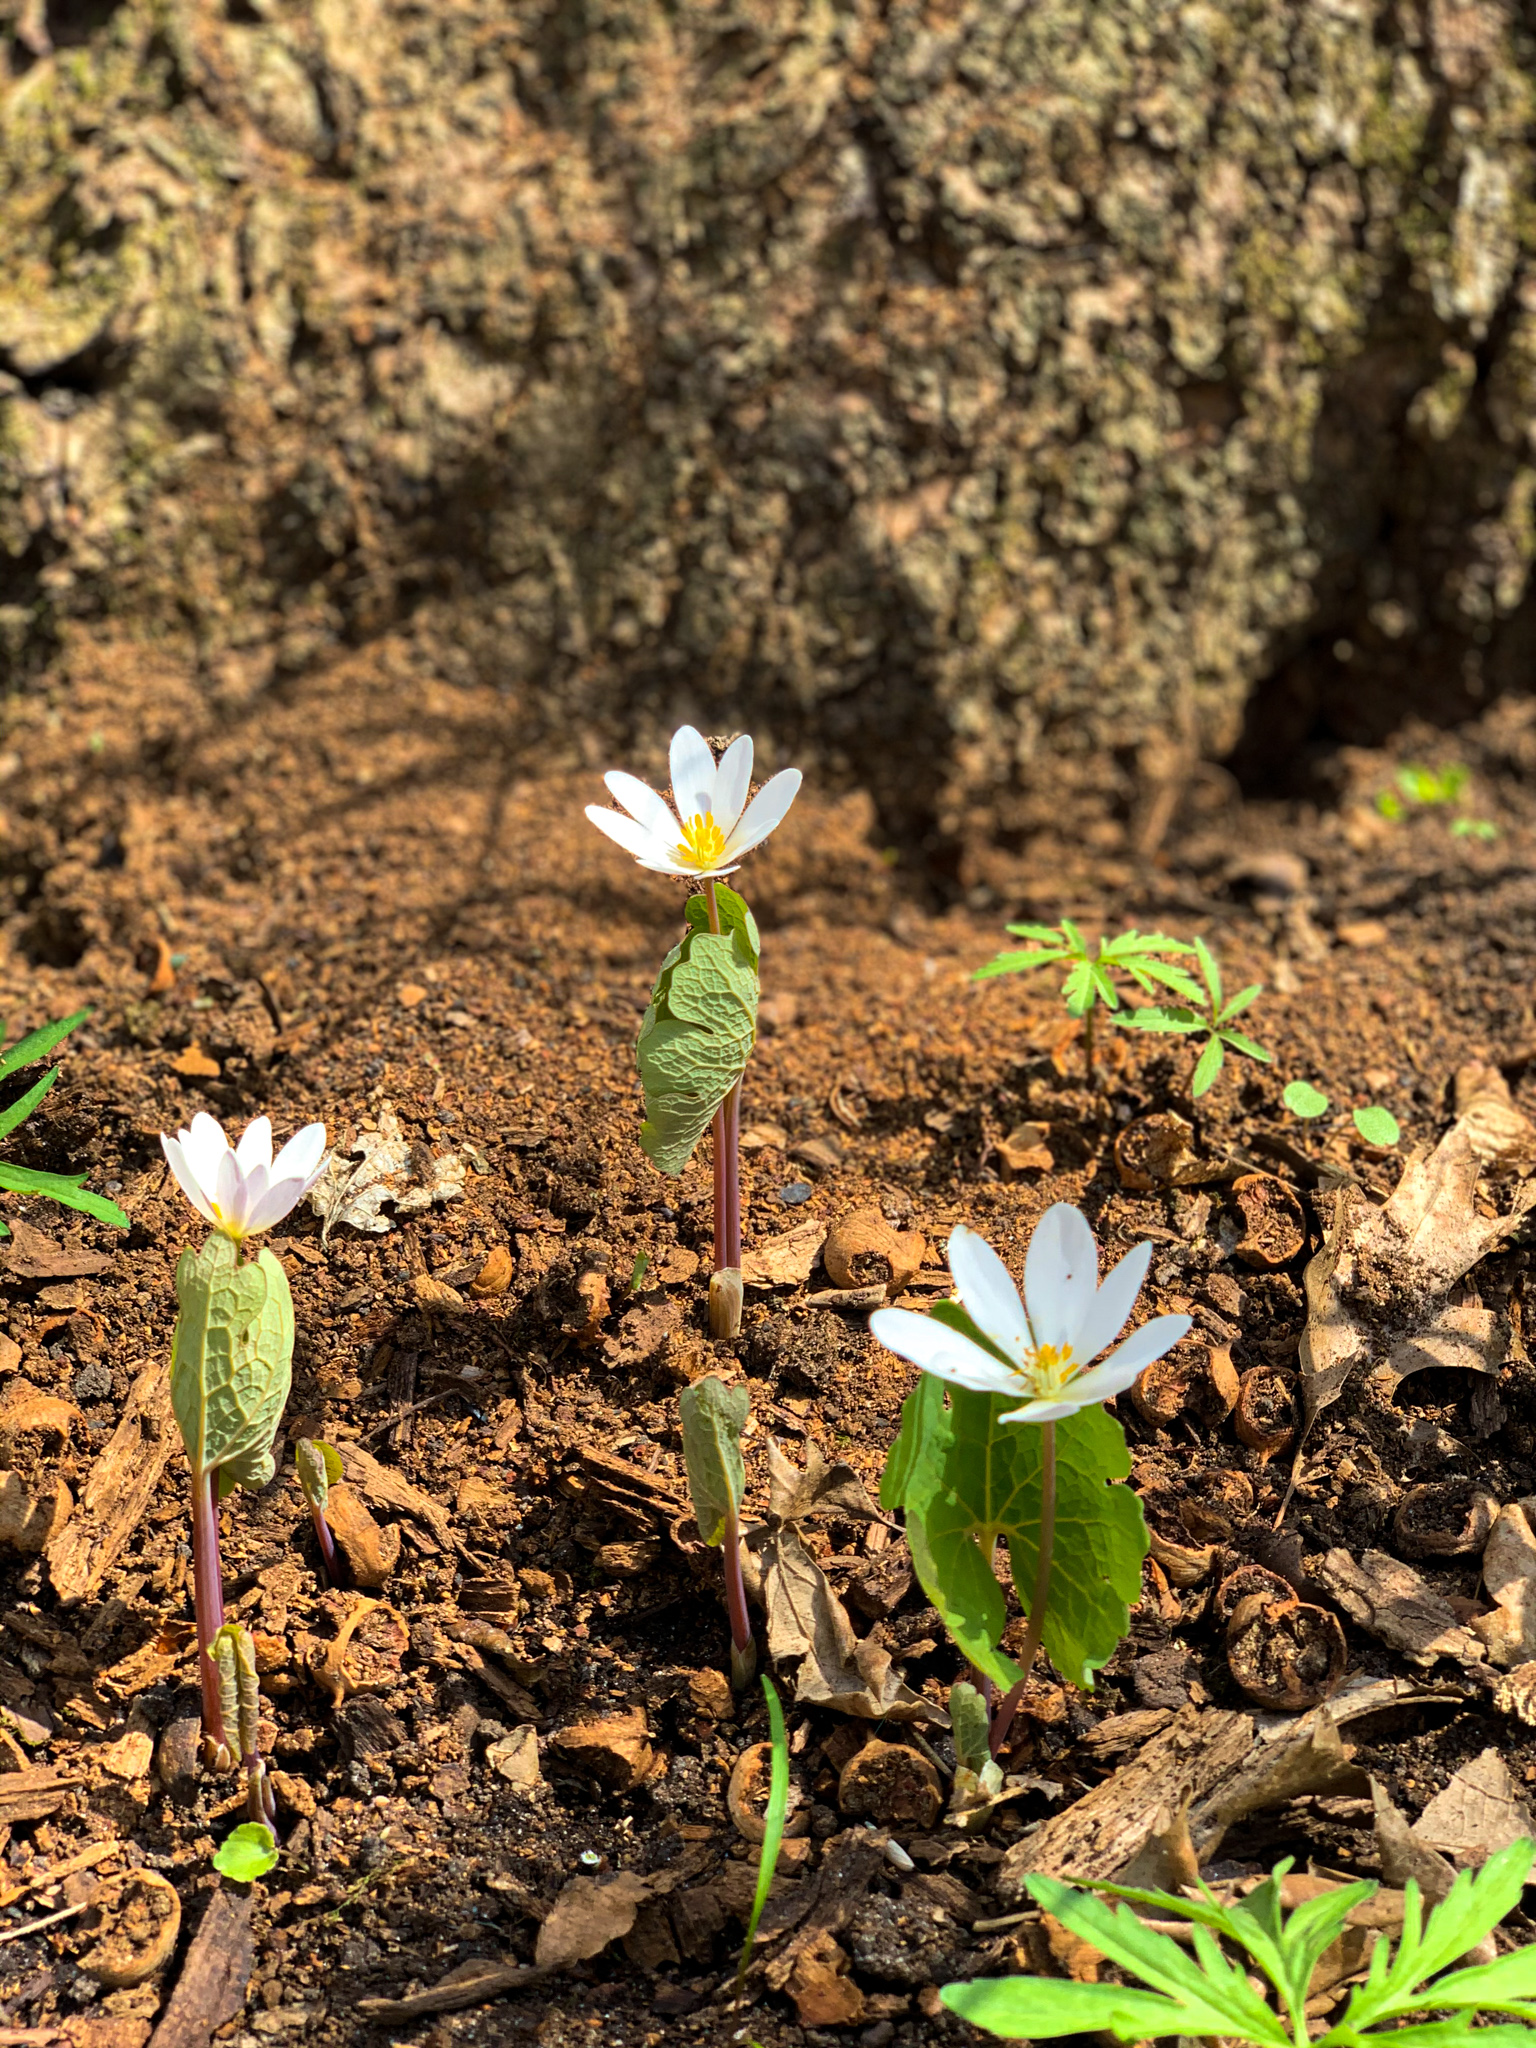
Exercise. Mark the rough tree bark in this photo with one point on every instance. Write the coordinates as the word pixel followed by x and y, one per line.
pixel 995 399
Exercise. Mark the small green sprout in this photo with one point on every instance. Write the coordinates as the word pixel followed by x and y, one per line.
pixel 1482 829
pixel 642 1261
pixel 1377 1126
pixel 1201 1991
pixel 247 1853
pixel 233 1656
pixel 713 1416
pixel 67 1188
pixel 1089 983
pixel 1213 1016
pixel 1431 785
pixel 319 1470
pixel 1303 1100
pixel 773 1827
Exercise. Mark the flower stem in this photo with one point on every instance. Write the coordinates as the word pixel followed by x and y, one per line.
pixel 1010 1706
pixel 727 1163
pixel 208 1600
pixel 1088 1044
pixel 743 1648
pixel 327 1546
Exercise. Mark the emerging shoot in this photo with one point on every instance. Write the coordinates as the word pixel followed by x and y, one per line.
pixel 233 1655
pixel 320 1470
pixel 713 1416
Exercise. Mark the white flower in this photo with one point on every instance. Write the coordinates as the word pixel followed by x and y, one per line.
pixel 243 1189
pixel 715 830
pixel 1051 1348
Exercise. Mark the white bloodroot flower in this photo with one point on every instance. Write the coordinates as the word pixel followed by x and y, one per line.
pixel 243 1189
pixel 713 826
pixel 1049 1347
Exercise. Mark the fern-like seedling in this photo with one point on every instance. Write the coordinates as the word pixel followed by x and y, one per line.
pixel 1178 1992
pixel 1089 983
pixel 1210 1014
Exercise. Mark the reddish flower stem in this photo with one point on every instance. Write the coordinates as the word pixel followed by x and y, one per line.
pixel 727 1137
pixel 208 1598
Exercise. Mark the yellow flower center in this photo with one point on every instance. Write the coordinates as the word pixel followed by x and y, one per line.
pixel 703 844
pixel 1048 1371
pixel 221 1224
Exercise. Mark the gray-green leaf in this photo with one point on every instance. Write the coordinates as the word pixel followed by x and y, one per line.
pixel 231 1360
pixel 713 1416
pixel 698 1031
pixel 320 1469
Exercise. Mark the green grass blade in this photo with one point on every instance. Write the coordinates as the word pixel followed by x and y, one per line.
pixel 61 1187
pixel 1211 971
pixel 38 1044
pixel 23 1106
pixel 773 1827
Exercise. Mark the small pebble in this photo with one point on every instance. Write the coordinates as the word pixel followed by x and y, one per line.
pixel 898 1858
pixel 797 1191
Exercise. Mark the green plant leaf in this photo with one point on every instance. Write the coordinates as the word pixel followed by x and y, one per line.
pixel 1207 1067
pixel 231 1360
pixel 966 1478
pixel 970 1727
pixel 1303 1100
pixel 1376 1125
pixel 698 1031
pixel 1162 1017
pixel 773 1825
pixel 248 1852
pixel 1248 1046
pixel 1044 934
pixel 1241 1001
pixel 319 1470
pixel 1211 971
pixel 1045 2008
pixel 734 914
pixel 38 1044
pixel 1147 974
pixel 1016 963
pixel 1130 945
pixel 11 1119
pixel 713 1416
pixel 1080 989
pixel 65 1188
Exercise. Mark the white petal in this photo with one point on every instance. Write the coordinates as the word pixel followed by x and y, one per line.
pixel 176 1159
pixel 1043 1411
pixel 986 1288
pixel 1112 1305
pixel 768 808
pixel 301 1158
pixel 229 1193
pixel 674 867
pixel 642 802
pixel 693 773
pixel 941 1351
pixel 1137 1352
pixel 255 1148
pixel 635 839
pixel 252 1189
pixel 733 778
pixel 205 1146
pixel 1061 1272
pixel 275 1203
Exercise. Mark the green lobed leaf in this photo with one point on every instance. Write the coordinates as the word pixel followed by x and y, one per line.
pixel 1207 1067
pixel 1376 1125
pixel 1242 1044
pixel 1302 1099
pixel 1045 2008
pixel 246 1853
pixel 966 1479
pixel 1243 1000
pixel 734 915
pixel 970 1727
pixel 1162 1017
pixel 1148 973
pixel 1016 963
pixel 38 1044
pixel 1080 990
pixel 231 1360
pixel 1045 934
pixel 713 1416
pixel 698 1031
pixel 65 1188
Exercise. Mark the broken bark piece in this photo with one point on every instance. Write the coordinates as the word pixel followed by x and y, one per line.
pixel 891 1784
pixel 1391 1600
pixel 864 1248
pixel 1266 1415
pixel 1026 1150
pixel 1274 1229
pixel 1285 1653
pixel 383 1486
pixel 1449 1518
pixel 35 1501
pixel 32 1256
pixel 495 1276
pixel 824 1994
pixel 371 1552
pixel 472 1983
pixel 214 1978
pixel 787 1260
pixel 117 1491
pixel 134 1920
pixel 1508 1634
pixel 32 1794
pixel 615 1750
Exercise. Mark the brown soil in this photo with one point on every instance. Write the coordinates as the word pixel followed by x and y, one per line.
pixel 371 896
